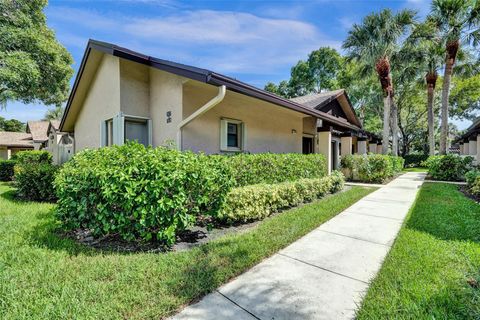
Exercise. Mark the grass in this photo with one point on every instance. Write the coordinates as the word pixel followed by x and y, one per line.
pixel 44 276
pixel 415 169
pixel 436 255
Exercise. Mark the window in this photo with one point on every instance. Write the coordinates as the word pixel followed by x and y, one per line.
pixel 136 130
pixel 232 136
pixel 121 129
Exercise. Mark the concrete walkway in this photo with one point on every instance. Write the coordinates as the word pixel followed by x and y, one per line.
pixel 324 274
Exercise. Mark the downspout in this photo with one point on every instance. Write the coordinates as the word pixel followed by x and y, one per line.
pixel 207 106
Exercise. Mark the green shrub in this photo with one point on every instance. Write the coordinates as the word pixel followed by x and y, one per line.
pixel 475 186
pixel 6 170
pixel 471 176
pixel 371 167
pixel 415 160
pixel 271 168
pixel 138 192
pixel 32 156
pixel 34 180
pixel 450 167
pixel 258 201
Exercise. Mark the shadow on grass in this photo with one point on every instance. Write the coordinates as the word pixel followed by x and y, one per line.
pixel 446 213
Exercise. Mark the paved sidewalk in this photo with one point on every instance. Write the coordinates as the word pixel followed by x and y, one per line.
pixel 324 274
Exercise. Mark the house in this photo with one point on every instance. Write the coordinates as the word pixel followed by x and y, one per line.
pixel 59 144
pixel 469 142
pixel 39 135
pixel 13 142
pixel 121 95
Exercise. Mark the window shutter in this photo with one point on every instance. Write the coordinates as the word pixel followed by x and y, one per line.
pixel 119 129
pixel 103 134
pixel 149 128
pixel 244 137
pixel 223 135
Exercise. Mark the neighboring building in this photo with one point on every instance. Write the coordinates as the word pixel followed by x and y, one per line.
pixel 122 95
pixel 59 144
pixel 469 142
pixel 39 135
pixel 12 142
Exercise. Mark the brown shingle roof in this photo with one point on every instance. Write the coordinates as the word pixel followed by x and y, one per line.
pixel 38 129
pixel 313 100
pixel 16 139
pixel 55 124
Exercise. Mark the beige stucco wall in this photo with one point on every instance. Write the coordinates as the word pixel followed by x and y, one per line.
pixel 102 103
pixel 165 95
pixel 134 89
pixel 268 127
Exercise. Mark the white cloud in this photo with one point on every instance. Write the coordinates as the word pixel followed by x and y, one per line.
pixel 224 41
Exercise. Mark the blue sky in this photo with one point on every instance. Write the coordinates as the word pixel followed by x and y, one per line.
pixel 254 41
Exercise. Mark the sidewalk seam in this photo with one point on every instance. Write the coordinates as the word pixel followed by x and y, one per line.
pixel 250 313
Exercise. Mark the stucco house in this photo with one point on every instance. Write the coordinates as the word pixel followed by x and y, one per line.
pixel 39 135
pixel 469 142
pixel 121 95
pixel 13 142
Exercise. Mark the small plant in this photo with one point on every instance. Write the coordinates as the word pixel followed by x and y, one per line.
pixel 471 176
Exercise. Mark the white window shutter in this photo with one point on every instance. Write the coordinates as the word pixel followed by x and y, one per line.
pixel 223 135
pixel 118 129
pixel 149 128
pixel 244 137
pixel 103 134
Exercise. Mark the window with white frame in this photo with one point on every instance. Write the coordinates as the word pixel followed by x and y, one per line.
pixel 122 128
pixel 232 135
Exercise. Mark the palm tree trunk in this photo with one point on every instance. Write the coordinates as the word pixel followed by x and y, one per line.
pixel 386 123
pixel 431 129
pixel 394 116
pixel 444 114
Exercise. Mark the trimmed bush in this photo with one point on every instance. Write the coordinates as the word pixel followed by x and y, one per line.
pixel 32 157
pixel 34 174
pixel 475 186
pixel 261 200
pixel 415 160
pixel 272 168
pixel 450 167
pixel 6 170
pixel 371 168
pixel 138 192
pixel 471 176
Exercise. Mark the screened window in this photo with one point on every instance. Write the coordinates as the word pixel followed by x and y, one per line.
pixel 233 135
pixel 136 130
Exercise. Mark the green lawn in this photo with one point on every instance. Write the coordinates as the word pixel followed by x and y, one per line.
pixel 437 253
pixel 43 276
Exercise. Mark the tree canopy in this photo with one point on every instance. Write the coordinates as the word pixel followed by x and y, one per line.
pixel 12 125
pixel 34 66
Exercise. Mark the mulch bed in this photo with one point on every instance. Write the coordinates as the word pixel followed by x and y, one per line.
pixel 204 231
pixel 466 192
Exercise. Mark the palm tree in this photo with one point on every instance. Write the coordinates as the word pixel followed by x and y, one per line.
pixel 459 23
pixel 54 114
pixel 373 43
pixel 425 50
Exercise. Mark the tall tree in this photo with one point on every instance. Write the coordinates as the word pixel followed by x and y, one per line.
pixel 424 46
pixel 373 42
pixel 459 23
pixel 33 65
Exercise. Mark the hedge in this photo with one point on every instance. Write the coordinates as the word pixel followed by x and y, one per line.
pixel 140 192
pixel 6 170
pixel 150 193
pixel 272 168
pixel 34 174
pixel 415 160
pixel 450 167
pixel 371 168
pixel 258 201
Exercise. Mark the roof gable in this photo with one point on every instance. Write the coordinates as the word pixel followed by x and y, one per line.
pixel 38 130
